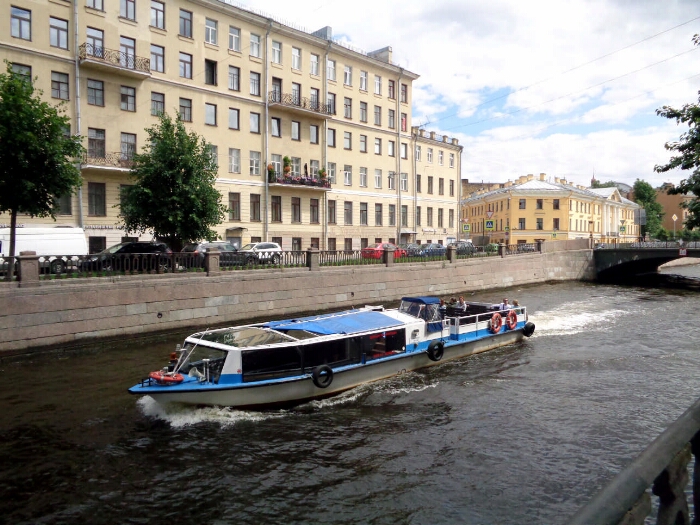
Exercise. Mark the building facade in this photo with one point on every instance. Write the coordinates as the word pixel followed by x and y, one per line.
pixel 313 139
pixel 673 205
pixel 531 210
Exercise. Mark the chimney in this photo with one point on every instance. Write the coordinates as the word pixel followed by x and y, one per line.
pixel 432 135
pixel 325 32
pixel 383 54
pixel 557 180
pixel 542 176
pixel 530 176
pixel 444 138
pixel 508 184
pixel 522 179
pixel 421 132
pixel 455 142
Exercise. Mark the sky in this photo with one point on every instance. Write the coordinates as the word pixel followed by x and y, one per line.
pixel 566 88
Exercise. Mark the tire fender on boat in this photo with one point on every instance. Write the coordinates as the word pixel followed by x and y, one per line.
pixel 322 376
pixel 436 350
pixel 495 323
pixel 511 320
pixel 528 329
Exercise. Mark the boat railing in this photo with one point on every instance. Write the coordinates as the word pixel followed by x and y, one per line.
pixel 481 320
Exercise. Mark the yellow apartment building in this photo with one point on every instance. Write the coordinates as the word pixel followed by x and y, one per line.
pixel 534 209
pixel 673 205
pixel 260 92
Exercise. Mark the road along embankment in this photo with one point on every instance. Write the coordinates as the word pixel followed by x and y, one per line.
pixel 71 312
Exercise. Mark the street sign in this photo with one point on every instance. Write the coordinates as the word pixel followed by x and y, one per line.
pixel 674 217
pixel 507 228
pixel 488 226
pixel 489 214
pixel 466 227
pixel 622 229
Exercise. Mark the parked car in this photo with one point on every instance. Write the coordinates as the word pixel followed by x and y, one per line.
pixel 195 254
pixel 412 249
pixel 433 250
pixel 526 247
pixel 376 251
pixel 260 252
pixel 58 247
pixel 463 247
pixel 135 255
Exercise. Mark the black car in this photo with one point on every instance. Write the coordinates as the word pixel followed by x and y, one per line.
pixel 433 250
pixel 463 247
pixel 412 249
pixel 195 253
pixel 129 256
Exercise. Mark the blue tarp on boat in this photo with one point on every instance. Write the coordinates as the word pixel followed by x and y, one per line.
pixel 347 323
pixel 422 300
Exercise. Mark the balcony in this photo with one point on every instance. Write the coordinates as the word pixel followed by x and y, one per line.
pixel 110 60
pixel 299 105
pixel 280 179
pixel 107 160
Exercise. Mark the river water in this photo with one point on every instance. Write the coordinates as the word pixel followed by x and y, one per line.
pixel 524 434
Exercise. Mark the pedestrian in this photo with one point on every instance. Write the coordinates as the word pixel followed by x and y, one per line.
pixel 504 304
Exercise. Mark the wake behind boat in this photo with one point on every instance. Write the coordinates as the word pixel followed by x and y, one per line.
pixel 282 363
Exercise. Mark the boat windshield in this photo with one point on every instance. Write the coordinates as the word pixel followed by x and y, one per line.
pixel 427 312
pixel 243 337
pixel 194 362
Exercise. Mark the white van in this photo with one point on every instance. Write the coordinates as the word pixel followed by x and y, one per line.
pixel 57 247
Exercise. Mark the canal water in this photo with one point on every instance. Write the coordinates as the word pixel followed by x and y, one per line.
pixel 523 434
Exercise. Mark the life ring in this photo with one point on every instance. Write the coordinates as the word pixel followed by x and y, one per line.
pixel 495 323
pixel 511 320
pixel 436 350
pixel 528 329
pixel 322 376
pixel 165 378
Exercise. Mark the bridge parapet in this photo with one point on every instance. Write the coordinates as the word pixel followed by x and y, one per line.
pixel 620 261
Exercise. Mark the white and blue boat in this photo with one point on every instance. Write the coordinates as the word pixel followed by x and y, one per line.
pixel 283 363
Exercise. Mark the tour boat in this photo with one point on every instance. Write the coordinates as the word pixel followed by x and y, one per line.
pixel 283 363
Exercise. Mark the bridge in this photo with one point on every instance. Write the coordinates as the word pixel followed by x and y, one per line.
pixel 616 262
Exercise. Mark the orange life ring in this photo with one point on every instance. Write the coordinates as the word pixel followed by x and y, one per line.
pixel 511 320
pixel 496 323
pixel 165 378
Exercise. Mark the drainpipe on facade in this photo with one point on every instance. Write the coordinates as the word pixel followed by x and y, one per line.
pixel 77 108
pixel 325 146
pixel 266 69
pixel 459 201
pixel 398 155
pixel 414 142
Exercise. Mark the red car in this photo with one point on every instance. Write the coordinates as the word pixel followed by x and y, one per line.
pixel 376 251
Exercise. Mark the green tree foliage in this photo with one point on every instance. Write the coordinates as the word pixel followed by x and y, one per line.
pixel 37 156
pixel 645 196
pixel 598 184
pixel 688 158
pixel 174 196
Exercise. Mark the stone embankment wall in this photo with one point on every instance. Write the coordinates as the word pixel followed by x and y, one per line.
pixel 70 312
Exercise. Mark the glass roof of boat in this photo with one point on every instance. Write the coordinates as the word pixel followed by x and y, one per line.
pixel 243 337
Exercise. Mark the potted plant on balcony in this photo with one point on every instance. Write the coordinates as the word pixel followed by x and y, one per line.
pixel 271 173
pixel 322 176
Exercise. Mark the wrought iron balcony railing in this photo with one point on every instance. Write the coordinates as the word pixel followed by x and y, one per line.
pixel 117 160
pixel 292 100
pixel 115 58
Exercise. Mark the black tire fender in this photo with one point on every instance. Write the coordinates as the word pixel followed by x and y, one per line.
pixel 436 350
pixel 528 329
pixel 322 376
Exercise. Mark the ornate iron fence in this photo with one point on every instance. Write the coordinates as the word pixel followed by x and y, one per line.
pixel 294 101
pixel 114 57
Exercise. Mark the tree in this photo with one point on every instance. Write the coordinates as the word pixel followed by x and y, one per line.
pixel 37 156
pixel 598 184
pixel 688 147
pixel 645 196
pixel 174 195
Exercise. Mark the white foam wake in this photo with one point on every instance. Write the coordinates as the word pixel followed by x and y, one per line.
pixel 574 318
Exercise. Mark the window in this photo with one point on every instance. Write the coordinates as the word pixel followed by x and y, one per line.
pixel 313 211
pixel 363 143
pixel 331 103
pixel 555 204
pixel 347 76
pixel 418 181
pixel 58 33
pixel 378 215
pixel 276 208
pixel 96 143
pixel 418 216
pixel 392 89
pixel 348 212
pixel 255 45
pixel 452 188
pixel 404 150
pixel 521 204
pixel 363 80
pixel 430 184
pixel 392 119
pixel 540 223
pixel 404 181
pixel 521 224
pixel 404 93
pixel 440 157
pixel 392 214
pixel 234 39
pixel 391 180
pixel 347 104
pixel 377 85
pixel 330 69
pixel 363 111
pixel 210 72
pixel 539 204
pixel 128 146
pixel 555 224
pixel 234 160
pixel 404 122
pixel 377 115
pixel 296 58
pixel 96 92
pixel 21 22
pixel 59 85
pixel 348 244
pixel 314 98
pixel 296 166
pixel 429 216
pixel 186 109
pixel 331 212
pixel 255 207
pixel 65 204
pixel 276 52
pixel 441 186
pixel 347 175
pixel 234 78
pixel 440 221
pixel 418 151
pixel 128 98
pixel 233 118
pixel 95 42
pixel 276 162
pixel 296 130
pixel 452 160
pixel 127 48
pixel 158 14
pixel 296 209
pixel 313 134
pixel 210 114
pixel 96 199
pixel 211 31
pixel 430 154
pixel 377 178
pixel 157 58
pixel 363 177
pixel 451 219
pixel 96 4
pixel 391 145
pixel 347 140
pixel 363 214
pixel 255 83
pixel 127 9
pixel 185 23
pixel 254 122
pixel 313 64
pixel 331 172
pixel 330 137
pixel 276 126
pixel 255 163
pixel 185 65
pixel 404 215
pixel 377 146
pixel 234 206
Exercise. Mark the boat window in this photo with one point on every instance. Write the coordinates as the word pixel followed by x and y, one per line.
pixel 335 353
pixel 243 337
pixel 300 334
pixel 195 366
pixel 384 344
pixel 271 363
pixel 411 308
